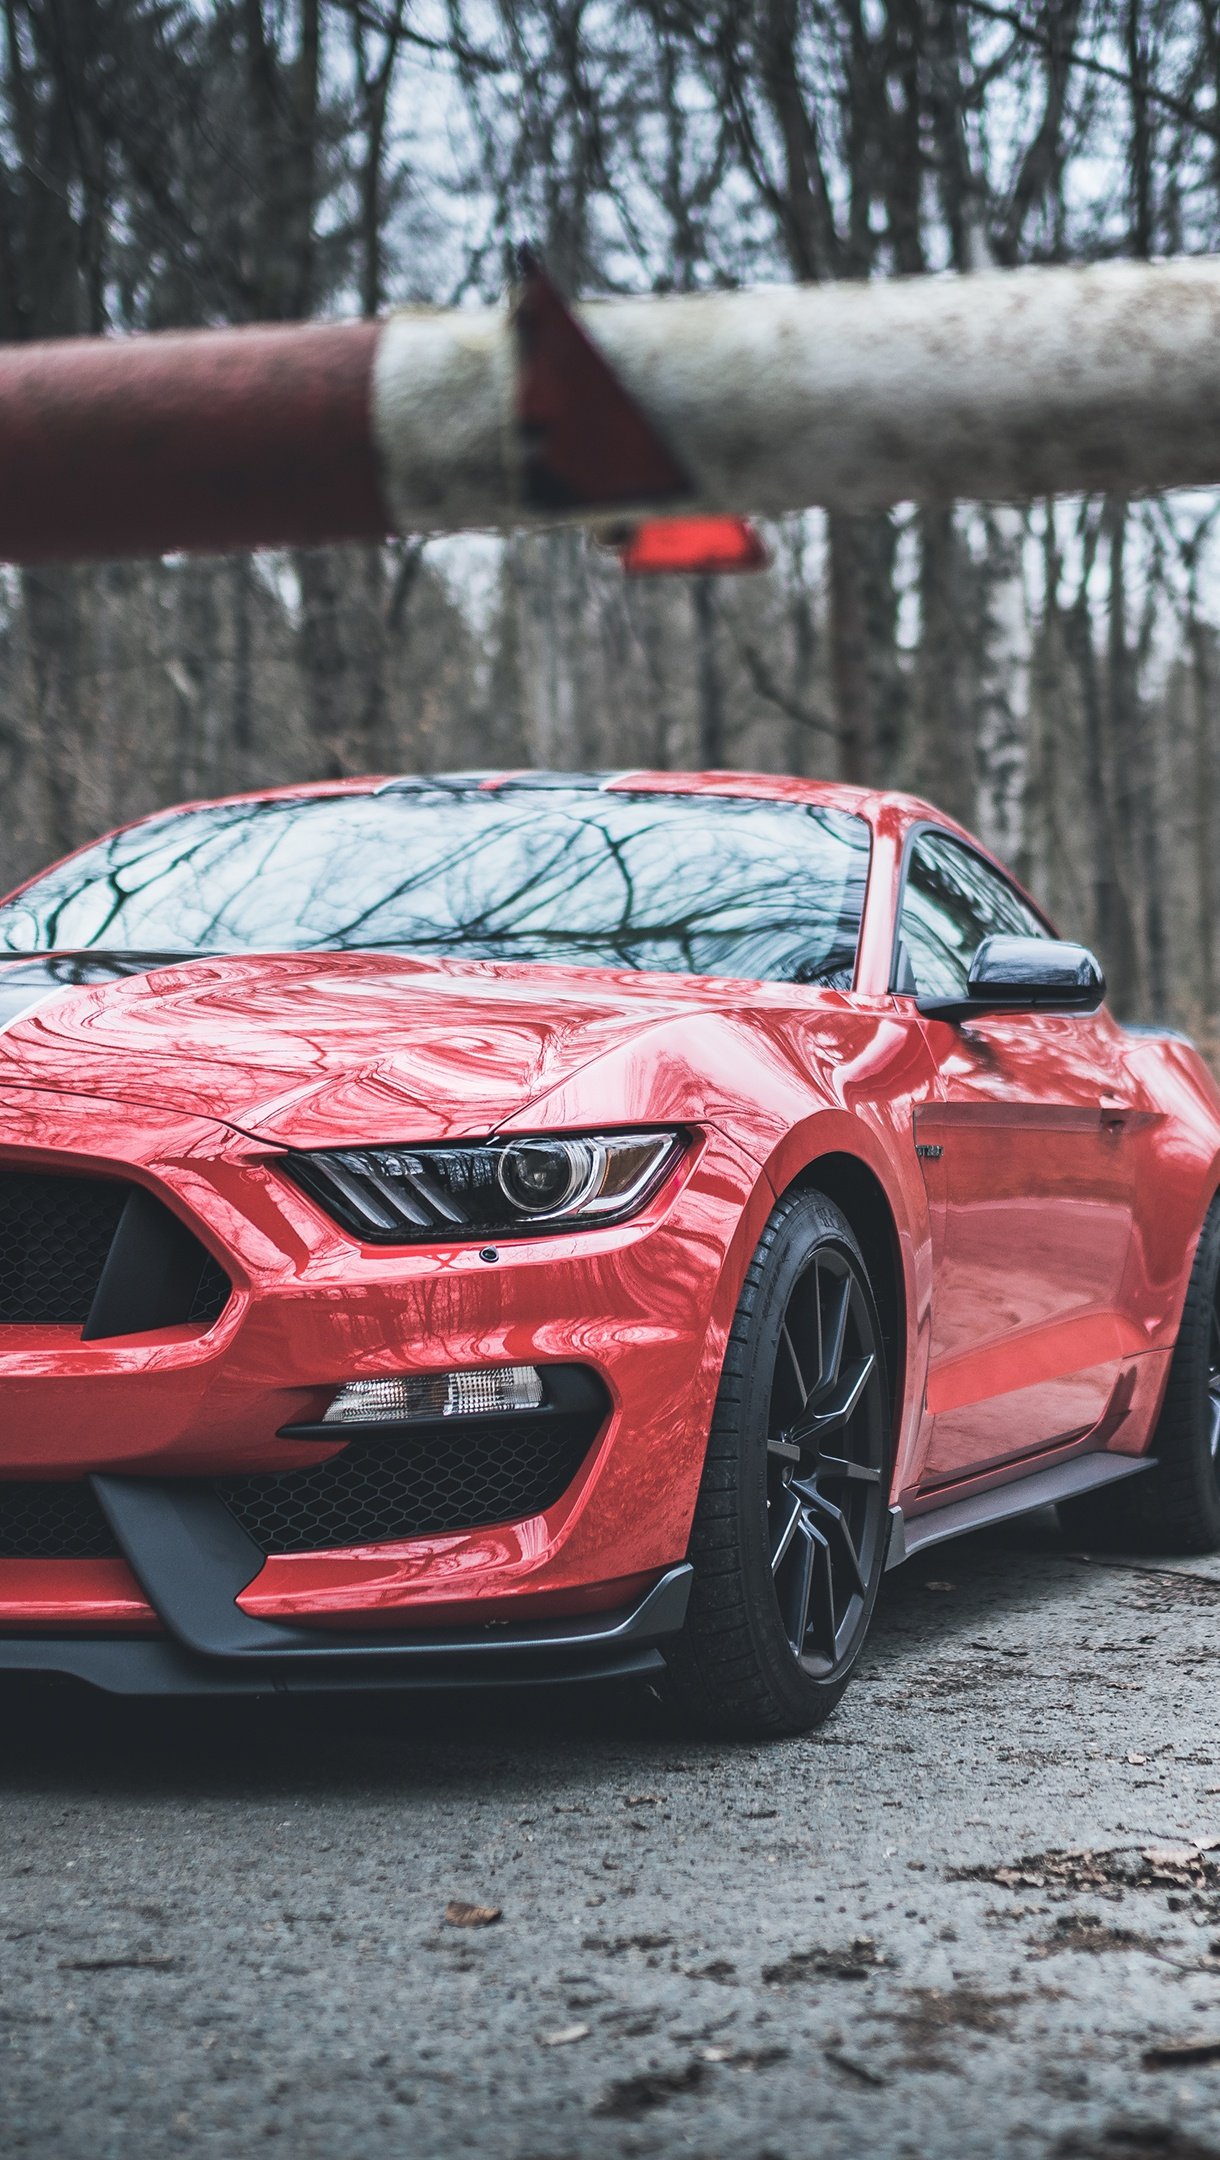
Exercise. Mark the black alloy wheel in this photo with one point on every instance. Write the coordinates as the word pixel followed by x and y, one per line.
pixel 1175 1506
pixel 826 1502
pixel 792 1522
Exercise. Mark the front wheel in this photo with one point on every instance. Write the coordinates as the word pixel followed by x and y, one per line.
pixel 791 1524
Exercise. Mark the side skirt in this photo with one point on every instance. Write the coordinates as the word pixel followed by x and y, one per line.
pixel 1000 1503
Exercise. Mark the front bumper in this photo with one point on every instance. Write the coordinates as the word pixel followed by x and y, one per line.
pixel 192 1560
pixel 645 1306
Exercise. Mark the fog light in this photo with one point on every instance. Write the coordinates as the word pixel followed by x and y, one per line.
pixel 436 1395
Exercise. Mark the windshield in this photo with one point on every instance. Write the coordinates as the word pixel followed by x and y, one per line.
pixel 685 884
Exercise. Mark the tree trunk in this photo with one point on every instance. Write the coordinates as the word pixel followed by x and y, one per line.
pixel 55 641
pixel 322 663
pixel 945 736
pixel 241 703
pixel 1111 914
pixel 1204 812
pixel 1125 761
pixel 804 656
pixel 710 688
pixel 849 669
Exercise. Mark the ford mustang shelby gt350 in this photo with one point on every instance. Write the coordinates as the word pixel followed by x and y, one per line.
pixel 539 1226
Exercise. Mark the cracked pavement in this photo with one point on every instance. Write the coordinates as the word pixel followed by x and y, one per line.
pixel 977 1914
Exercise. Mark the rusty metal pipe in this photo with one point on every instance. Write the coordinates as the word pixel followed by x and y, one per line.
pixel 1002 387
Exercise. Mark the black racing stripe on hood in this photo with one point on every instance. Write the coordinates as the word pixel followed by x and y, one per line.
pixel 27 983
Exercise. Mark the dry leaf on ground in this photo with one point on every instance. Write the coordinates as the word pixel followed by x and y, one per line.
pixel 459 1914
pixel 566 2035
pixel 1181 2054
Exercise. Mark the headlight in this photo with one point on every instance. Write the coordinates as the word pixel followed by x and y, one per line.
pixel 487 1189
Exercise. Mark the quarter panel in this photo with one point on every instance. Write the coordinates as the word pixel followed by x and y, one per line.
pixel 1177 1175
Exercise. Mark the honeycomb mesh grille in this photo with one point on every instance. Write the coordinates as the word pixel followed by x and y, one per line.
pixel 55 1237
pixel 494 1470
pixel 499 1470
pixel 212 1293
pixel 55 1233
pixel 51 1521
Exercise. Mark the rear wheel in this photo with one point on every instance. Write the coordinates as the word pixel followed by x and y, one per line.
pixel 791 1526
pixel 1176 1507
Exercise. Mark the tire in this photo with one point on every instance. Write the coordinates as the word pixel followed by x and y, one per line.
pixel 1176 1507
pixel 791 1524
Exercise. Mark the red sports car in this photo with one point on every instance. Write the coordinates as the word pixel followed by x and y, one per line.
pixel 550 1226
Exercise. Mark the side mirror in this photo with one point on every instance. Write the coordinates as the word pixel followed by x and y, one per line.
pixel 1025 974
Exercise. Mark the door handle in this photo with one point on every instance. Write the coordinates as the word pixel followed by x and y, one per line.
pixel 1114 1114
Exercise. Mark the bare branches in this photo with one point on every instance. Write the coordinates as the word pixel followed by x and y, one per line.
pixel 1090 64
pixel 388 23
pixel 812 718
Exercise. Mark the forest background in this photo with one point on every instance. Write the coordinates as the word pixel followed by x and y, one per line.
pixel 1051 674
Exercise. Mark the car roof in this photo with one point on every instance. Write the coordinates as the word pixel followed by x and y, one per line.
pixel 870 803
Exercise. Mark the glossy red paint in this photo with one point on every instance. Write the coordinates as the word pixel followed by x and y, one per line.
pixel 1035 1308
pixel 1033 1203
pixel 101 1596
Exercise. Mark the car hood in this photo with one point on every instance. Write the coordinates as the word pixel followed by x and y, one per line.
pixel 321 1049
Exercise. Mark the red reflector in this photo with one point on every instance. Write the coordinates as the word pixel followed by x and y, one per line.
pixel 694 544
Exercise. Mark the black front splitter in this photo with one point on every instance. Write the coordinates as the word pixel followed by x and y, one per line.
pixel 193 1560
pixel 157 1666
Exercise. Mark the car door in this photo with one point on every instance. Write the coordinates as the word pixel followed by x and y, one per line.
pixel 1029 1176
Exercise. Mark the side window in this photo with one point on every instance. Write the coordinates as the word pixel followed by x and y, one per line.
pixel 952 901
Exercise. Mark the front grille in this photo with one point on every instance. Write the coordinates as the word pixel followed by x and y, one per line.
pixel 50 1521
pixel 492 1470
pixel 465 1477
pixel 55 1234
pixel 102 1255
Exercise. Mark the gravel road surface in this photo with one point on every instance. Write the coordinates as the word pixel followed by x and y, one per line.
pixel 978 1914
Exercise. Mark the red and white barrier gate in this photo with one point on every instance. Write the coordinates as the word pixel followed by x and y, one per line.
pixel 1003 386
